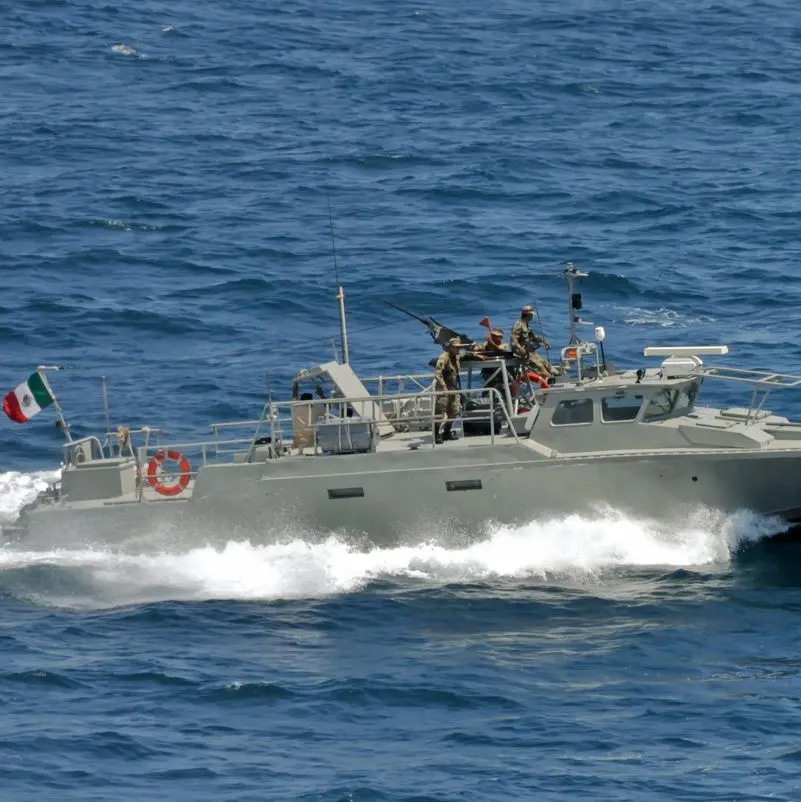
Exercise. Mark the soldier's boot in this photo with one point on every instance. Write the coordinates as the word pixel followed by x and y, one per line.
pixel 446 430
pixel 438 438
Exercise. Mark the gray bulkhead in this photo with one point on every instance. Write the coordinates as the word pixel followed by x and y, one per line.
pixel 619 414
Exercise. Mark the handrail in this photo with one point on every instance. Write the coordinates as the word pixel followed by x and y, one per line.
pixel 234 424
pixel 216 450
pixel 210 451
pixel 283 422
pixel 197 445
pixel 760 377
pixel 492 393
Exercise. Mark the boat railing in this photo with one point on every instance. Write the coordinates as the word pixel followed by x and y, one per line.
pixel 399 384
pixel 331 429
pixel 112 444
pixel 147 442
pixel 119 442
pixel 400 392
pixel 762 382
pixel 764 378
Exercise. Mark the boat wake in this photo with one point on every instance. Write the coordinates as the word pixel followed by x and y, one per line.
pixel 19 489
pixel 572 549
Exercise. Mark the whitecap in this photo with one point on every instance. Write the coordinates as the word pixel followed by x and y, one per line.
pixel 124 50
pixel 572 548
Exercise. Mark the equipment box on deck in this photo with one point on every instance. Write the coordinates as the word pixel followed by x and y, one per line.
pixel 348 436
pixel 477 419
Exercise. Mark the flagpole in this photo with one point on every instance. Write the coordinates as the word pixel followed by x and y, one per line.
pixel 59 412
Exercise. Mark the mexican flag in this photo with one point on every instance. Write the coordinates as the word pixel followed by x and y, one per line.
pixel 28 399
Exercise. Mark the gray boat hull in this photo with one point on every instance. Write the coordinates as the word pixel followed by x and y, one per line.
pixel 450 495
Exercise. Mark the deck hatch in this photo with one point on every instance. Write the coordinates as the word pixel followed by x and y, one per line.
pixel 346 492
pixel 464 484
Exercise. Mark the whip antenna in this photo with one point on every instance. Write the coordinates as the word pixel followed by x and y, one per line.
pixel 333 241
pixel 343 329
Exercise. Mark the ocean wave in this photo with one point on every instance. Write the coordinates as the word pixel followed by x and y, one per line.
pixel 571 549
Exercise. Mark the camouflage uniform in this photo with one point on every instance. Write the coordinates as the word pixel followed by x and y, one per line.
pixel 490 347
pixel 524 340
pixel 446 377
pixel 492 377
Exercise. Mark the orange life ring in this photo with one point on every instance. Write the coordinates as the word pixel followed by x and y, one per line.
pixel 537 379
pixel 183 478
pixel 534 378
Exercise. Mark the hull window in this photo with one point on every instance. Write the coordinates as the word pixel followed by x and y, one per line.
pixel 346 492
pixel 464 484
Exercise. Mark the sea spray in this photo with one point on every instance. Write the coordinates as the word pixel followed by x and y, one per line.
pixel 572 548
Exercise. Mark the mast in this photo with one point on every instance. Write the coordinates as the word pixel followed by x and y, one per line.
pixel 343 329
pixel 106 414
pixel 573 300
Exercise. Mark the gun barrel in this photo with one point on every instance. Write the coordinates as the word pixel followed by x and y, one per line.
pixel 439 333
pixel 422 320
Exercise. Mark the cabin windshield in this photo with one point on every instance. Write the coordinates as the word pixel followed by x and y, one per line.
pixel 671 401
pixel 660 404
pixel 686 397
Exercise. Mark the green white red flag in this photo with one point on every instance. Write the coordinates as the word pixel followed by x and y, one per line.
pixel 29 398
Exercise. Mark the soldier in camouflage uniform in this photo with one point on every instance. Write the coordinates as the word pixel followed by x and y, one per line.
pixel 494 342
pixel 525 341
pixel 446 377
pixel 494 346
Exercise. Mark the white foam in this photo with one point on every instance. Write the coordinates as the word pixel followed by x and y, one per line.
pixel 18 489
pixel 123 50
pixel 572 548
pixel 663 317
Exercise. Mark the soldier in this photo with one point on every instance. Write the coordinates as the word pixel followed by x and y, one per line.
pixel 525 341
pixel 493 343
pixel 494 346
pixel 446 378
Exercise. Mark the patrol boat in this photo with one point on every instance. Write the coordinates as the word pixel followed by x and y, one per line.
pixel 357 455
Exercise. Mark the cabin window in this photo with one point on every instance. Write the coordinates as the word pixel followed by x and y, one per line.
pixel 660 404
pixel 619 408
pixel 686 397
pixel 576 410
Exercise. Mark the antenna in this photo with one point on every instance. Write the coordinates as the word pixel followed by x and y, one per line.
pixel 273 443
pixel 107 415
pixel 573 300
pixel 343 330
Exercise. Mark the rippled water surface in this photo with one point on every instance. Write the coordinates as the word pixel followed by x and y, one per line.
pixel 168 171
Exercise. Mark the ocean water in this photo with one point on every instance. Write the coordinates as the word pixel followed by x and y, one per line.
pixel 172 175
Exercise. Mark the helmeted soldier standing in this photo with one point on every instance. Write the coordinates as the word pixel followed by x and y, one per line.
pixel 446 378
pixel 525 341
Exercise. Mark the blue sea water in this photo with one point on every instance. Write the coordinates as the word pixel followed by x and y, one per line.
pixel 167 173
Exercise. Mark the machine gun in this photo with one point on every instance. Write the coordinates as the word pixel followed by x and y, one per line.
pixel 439 333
